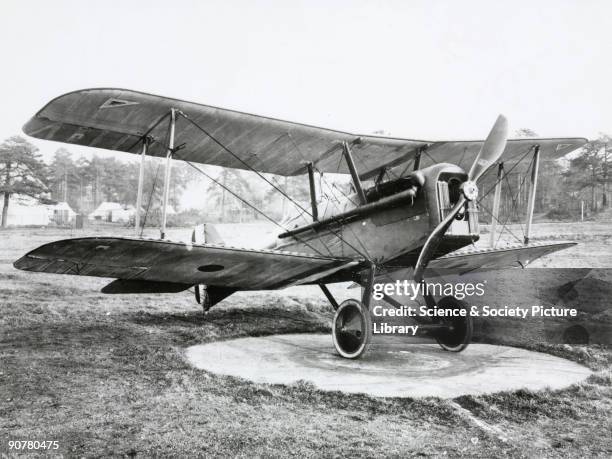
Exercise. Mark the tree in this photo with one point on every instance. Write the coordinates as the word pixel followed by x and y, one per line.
pixel 604 140
pixel 525 133
pixel 296 188
pixel 550 188
pixel 64 178
pixel 589 170
pixel 21 172
pixel 109 179
pixel 234 181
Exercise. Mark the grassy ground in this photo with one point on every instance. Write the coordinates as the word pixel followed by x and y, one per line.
pixel 105 375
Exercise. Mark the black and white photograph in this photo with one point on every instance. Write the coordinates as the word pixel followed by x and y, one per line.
pixel 349 228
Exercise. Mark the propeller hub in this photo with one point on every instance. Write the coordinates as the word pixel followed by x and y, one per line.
pixel 469 190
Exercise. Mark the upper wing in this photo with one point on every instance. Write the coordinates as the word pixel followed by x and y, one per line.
pixel 512 256
pixel 179 263
pixel 117 119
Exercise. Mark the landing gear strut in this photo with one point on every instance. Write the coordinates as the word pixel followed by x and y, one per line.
pixel 453 334
pixel 352 325
pixel 202 297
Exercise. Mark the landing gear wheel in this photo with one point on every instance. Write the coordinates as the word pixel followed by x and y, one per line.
pixel 458 337
pixel 352 329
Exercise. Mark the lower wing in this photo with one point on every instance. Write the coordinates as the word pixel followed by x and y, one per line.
pixel 166 262
pixel 511 256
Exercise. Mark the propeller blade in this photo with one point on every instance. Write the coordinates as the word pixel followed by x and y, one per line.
pixel 491 150
pixel 434 239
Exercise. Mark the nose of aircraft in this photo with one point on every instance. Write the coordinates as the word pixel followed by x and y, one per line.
pixel 491 151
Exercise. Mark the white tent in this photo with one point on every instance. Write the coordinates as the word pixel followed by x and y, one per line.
pixel 105 211
pixel 61 213
pixel 27 215
pixel 123 215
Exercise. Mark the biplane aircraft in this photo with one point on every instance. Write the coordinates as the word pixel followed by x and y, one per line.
pixel 420 214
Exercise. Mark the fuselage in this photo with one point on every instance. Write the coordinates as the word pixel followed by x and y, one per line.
pixel 394 223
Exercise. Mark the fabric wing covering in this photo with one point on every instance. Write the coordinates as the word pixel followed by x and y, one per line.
pixel 509 256
pixel 177 262
pixel 117 119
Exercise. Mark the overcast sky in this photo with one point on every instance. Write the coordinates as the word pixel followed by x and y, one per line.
pixel 418 69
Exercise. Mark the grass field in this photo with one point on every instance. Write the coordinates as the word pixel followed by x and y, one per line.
pixel 106 375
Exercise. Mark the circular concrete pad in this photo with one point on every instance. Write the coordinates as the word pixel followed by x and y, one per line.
pixel 394 369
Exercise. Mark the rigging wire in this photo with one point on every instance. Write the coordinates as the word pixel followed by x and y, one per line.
pixel 297 148
pixel 506 173
pixel 280 190
pixel 151 195
pixel 274 178
pixel 242 161
pixel 250 205
pixel 144 220
pixel 488 211
pixel 248 166
pixel 465 149
pixel 429 156
pixel 513 208
pixel 148 131
pixel 514 197
pixel 515 203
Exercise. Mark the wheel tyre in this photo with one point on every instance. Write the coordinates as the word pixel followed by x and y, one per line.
pixel 457 339
pixel 352 329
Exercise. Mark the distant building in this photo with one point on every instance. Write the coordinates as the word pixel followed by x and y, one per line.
pixel 61 213
pixel 114 212
pixel 25 211
pixel 104 212
pixel 123 215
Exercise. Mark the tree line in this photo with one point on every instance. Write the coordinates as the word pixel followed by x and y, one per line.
pixel 84 183
pixel 567 189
